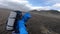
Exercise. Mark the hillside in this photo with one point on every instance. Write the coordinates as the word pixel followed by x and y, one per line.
pixel 3 18
pixel 40 23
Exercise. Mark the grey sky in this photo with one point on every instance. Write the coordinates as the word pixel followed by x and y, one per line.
pixel 15 4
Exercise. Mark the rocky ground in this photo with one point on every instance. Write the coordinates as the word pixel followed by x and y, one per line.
pixel 38 24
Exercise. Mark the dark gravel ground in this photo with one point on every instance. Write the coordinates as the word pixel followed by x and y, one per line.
pixel 43 23
pixel 38 24
pixel 3 18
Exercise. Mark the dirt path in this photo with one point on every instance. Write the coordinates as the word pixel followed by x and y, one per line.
pixel 35 25
pixel 3 18
pixel 38 22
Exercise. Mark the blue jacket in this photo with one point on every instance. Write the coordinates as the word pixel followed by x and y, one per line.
pixel 21 24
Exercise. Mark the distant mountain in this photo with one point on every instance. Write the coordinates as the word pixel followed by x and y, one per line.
pixel 46 11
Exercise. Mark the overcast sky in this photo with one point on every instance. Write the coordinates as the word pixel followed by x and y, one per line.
pixel 15 4
pixel 30 4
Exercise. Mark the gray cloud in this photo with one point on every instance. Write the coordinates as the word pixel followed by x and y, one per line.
pixel 25 6
pixel 13 5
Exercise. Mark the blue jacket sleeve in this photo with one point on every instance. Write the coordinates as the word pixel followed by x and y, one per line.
pixel 21 23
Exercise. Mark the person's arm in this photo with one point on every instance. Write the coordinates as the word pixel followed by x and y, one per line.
pixel 21 23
